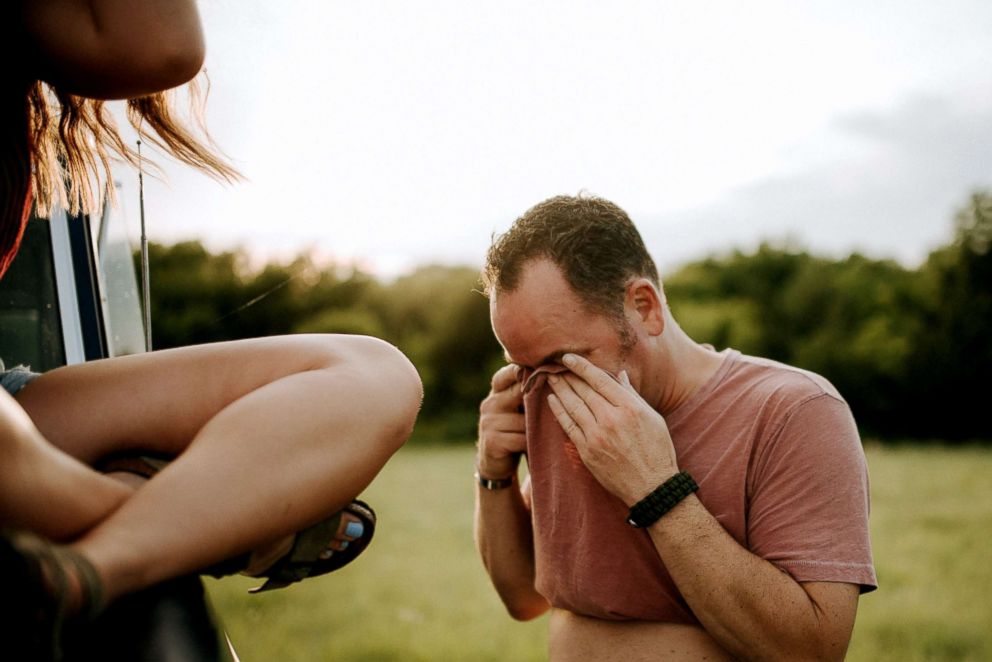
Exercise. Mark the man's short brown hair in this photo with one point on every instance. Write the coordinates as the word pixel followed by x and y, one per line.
pixel 590 239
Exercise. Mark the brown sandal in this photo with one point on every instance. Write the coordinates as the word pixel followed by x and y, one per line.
pixel 304 559
pixel 35 600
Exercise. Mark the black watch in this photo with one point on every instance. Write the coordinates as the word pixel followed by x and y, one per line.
pixel 494 483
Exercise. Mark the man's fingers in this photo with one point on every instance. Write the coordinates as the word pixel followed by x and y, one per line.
pixel 510 442
pixel 596 402
pixel 504 378
pixel 509 399
pixel 567 423
pixel 577 409
pixel 600 380
pixel 506 394
pixel 505 422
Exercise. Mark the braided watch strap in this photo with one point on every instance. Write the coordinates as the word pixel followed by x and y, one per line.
pixel 666 496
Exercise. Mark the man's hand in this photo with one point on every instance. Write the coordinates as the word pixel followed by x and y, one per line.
pixel 621 439
pixel 503 531
pixel 501 426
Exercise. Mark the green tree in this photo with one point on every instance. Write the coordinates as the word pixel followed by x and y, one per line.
pixel 437 316
pixel 191 290
pixel 953 345
pixel 909 348
pixel 850 320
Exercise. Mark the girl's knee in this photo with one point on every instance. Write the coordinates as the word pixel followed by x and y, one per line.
pixel 403 383
pixel 384 374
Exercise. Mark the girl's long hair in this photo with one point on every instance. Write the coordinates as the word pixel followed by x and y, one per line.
pixel 58 149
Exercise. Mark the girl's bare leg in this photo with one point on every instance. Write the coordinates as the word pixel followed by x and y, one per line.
pixel 43 488
pixel 270 435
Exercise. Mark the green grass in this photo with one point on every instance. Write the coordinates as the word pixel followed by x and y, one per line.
pixel 931 520
pixel 420 593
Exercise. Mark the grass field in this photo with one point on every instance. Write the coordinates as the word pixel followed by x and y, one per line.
pixel 420 593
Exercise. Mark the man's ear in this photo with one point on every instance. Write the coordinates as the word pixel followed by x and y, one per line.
pixel 648 304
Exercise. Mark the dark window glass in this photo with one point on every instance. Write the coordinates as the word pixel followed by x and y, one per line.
pixel 30 326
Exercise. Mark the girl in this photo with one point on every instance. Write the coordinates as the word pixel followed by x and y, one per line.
pixel 270 436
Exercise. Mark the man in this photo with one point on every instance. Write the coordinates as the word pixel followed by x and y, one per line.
pixel 681 503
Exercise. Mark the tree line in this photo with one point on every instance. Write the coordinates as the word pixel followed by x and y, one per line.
pixel 909 348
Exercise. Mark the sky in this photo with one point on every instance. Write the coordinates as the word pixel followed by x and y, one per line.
pixel 394 134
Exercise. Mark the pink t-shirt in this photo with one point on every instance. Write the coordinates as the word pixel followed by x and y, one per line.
pixel 779 464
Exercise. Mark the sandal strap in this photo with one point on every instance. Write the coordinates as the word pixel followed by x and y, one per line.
pixel 90 584
pixel 304 561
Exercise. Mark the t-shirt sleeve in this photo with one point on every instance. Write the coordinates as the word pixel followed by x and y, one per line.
pixel 808 496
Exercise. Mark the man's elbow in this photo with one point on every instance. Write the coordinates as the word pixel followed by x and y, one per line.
pixel 821 633
pixel 525 608
pixel 522 602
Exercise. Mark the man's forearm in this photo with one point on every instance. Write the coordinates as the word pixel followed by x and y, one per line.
pixel 505 540
pixel 748 605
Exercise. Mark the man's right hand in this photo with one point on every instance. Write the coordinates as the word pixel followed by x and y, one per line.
pixel 501 426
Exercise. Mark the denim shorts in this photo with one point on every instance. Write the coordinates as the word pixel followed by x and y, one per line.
pixel 16 378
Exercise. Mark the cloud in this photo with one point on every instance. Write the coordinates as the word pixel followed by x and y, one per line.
pixel 890 192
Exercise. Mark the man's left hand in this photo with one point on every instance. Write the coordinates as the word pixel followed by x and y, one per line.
pixel 621 439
